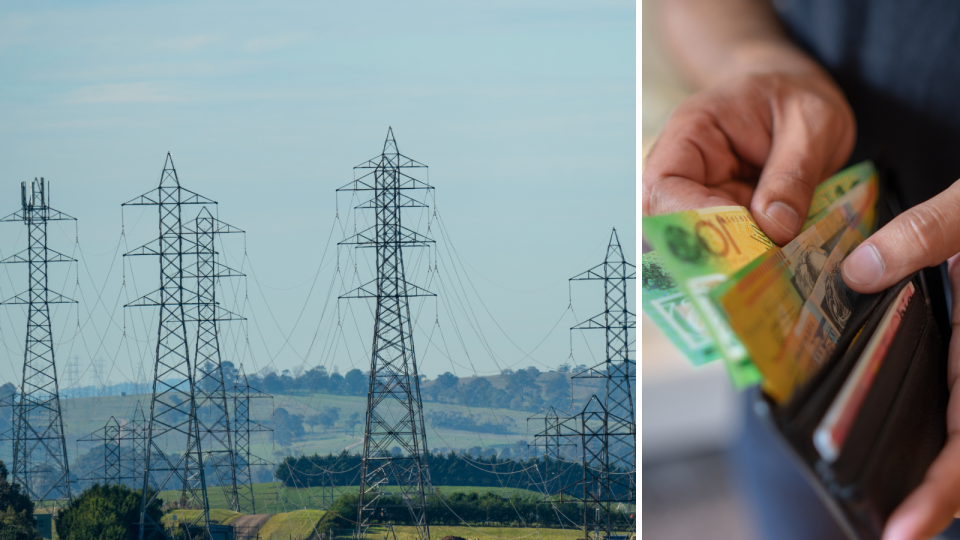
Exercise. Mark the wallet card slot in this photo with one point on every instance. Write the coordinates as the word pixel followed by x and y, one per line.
pixel 799 418
pixel 915 329
pixel 913 433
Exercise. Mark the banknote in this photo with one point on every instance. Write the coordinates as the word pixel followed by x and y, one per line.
pixel 835 187
pixel 673 312
pixel 763 301
pixel 701 249
pixel 706 245
pixel 833 429
pixel 821 321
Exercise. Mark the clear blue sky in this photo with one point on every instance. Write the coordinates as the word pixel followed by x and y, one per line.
pixel 524 111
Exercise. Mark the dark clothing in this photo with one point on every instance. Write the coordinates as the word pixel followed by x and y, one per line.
pixel 899 65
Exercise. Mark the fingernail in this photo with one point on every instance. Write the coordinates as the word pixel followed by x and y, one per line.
pixel 864 265
pixel 784 216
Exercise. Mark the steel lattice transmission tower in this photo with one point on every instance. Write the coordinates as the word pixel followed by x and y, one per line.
pixel 138 438
pixel 40 462
pixel 616 442
pixel 123 450
pixel 244 426
pixel 394 409
pixel 111 435
pixel 213 413
pixel 605 429
pixel 173 405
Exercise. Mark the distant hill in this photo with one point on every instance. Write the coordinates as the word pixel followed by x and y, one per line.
pixel 321 413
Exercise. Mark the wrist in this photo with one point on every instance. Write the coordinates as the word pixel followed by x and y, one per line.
pixel 773 58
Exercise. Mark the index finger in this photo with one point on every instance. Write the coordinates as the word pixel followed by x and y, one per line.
pixel 704 157
pixel 925 235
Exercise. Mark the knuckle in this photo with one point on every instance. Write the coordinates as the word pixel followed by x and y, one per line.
pixel 792 182
pixel 922 230
pixel 696 123
pixel 652 196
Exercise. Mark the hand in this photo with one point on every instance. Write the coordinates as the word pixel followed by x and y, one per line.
pixel 763 141
pixel 923 236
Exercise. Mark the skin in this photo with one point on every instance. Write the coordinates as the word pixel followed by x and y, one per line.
pixel 767 125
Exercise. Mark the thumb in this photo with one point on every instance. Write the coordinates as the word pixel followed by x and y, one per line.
pixel 801 156
pixel 925 235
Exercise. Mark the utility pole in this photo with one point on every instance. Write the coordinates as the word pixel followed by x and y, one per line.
pixel 40 461
pixel 394 409
pixel 173 405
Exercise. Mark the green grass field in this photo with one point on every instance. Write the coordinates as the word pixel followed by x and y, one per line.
pixel 220 516
pixel 296 525
pixel 483 533
pixel 268 500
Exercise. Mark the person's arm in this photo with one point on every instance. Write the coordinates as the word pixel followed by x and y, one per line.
pixel 768 125
pixel 713 41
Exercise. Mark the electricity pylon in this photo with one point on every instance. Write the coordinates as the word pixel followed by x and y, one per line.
pixel 111 435
pixel 243 427
pixel 138 438
pixel 213 413
pixel 615 444
pixel 173 405
pixel 40 462
pixel 394 408
pixel 605 429
pixel 123 450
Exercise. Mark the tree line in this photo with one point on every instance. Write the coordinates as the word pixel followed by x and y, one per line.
pixel 446 469
pixel 472 508
pixel 526 389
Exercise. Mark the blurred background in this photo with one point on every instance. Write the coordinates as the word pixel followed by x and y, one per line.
pixel 691 416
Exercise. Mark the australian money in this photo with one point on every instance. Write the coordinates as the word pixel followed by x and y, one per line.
pixel 701 249
pixel 821 321
pixel 673 312
pixel 835 187
pixel 677 313
pixel 763 300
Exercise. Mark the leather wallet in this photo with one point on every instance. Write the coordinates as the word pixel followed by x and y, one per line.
pixel 900 426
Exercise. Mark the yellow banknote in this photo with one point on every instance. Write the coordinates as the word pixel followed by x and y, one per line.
pixel 838 185
pixel 763 301
pixel 823 318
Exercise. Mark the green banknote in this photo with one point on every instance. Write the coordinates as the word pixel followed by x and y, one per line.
pixel 701 249
pixel 673 312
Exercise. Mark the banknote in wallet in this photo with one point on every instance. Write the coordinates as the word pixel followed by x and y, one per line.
pixel 865 415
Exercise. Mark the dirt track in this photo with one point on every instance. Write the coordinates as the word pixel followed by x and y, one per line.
pixel 252 523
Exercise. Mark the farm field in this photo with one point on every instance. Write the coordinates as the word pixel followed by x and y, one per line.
pixel 296 525
pixel 221 516
pixel 491 533
pixel 269 501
